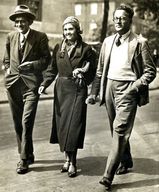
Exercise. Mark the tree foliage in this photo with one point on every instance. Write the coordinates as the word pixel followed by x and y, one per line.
pixel 147 11
pixel 148 8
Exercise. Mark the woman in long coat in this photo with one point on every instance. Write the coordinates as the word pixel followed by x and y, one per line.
pixel 73 65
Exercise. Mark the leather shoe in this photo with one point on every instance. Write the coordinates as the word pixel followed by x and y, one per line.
pixel 22 167
pixel 123 169
pixel 30 159
pixel 65 167
pixel 104 181
pixel 72 172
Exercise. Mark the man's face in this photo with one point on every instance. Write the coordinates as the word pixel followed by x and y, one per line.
pixel 122 22
pixel 69 32
pixel 22 24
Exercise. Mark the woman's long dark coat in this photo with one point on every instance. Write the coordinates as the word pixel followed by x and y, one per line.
pixel 69 114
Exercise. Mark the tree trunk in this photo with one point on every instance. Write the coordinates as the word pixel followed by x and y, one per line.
pixel 105 21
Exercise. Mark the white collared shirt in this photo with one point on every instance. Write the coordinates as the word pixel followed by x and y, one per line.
pixel 123 37
pixel 24 35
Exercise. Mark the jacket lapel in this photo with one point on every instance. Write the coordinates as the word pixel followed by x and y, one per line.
pixel 29 44
pixel 132 46
pixel 109 46
pixel 107 52
pixel 16 47
pixel 78 51
pixel 64 58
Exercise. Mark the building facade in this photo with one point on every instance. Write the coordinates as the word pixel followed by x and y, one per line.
pixel 50 15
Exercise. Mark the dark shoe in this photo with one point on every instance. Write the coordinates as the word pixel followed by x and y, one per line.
pixel 22 167
pixel 123 169
pixel 65 167
pixel 104 181
pixel 31 159
pixel 72 172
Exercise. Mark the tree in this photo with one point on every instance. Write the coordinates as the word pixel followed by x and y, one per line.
pixel 147 11
pixel 105 20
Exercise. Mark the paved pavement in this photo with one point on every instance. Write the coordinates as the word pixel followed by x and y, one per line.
pixel 44 174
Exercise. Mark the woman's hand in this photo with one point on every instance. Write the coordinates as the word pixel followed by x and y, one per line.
pixel 77 73
pixel 41 89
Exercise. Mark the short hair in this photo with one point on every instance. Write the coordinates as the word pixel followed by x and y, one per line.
pixel 127 9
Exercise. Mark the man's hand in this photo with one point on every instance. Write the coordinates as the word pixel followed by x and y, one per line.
pixel 26 66
pixel 91 100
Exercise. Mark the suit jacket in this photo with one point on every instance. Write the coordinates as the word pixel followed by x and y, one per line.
pixel 36 50
pixel 141 61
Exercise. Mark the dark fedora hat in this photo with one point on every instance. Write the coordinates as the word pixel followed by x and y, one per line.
pixel 22 10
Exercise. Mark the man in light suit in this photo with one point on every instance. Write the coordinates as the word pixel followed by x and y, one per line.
pixel 124 71
pixel 26 56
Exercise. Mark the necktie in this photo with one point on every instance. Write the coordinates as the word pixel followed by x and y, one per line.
pixel 22 42
pixel 118 42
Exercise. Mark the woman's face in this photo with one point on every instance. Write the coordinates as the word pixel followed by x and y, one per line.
pixel 70 32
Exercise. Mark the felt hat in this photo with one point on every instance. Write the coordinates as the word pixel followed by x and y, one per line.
pixel 22 10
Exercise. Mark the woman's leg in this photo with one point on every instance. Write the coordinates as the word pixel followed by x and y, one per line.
pixel 72 171
pixel 66 165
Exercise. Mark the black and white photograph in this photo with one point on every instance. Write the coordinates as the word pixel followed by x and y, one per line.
pixel 79 95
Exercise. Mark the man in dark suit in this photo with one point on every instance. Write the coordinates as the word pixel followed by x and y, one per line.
pixel 26 56
pixel 124 71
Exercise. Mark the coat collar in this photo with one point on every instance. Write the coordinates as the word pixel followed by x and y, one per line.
pixel 77 52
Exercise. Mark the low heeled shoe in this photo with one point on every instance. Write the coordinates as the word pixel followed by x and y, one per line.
pixel 107 184
pixel 65 167
pixel 72 172
pixel 124 168
pixel 22 167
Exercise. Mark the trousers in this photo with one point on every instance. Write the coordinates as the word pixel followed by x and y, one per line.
pixel 23 103
pixel 121 105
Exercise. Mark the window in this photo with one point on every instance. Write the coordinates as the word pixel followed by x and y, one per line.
pixel 94 8
pixel 35 6
pixel 93 25
pixel 78 9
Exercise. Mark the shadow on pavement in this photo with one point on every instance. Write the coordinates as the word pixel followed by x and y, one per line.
pixel 135 184
pixel 95 166
pixel 90 166
pixel 45 168
pixel 142 166
pixel 146 166
pixel 48 161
